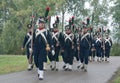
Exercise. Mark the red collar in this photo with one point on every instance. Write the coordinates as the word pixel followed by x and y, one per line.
pixel 55 31
pixel 41 28
pixel 68 33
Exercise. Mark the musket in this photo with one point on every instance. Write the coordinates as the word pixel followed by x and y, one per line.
pixel 32 22
pixel 46 20
pixel 90 28
pixel 57 21
pixel 103 43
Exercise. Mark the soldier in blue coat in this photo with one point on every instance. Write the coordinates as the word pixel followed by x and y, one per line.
pixel 84 47
pixel 108 45
pixel 98 45
pixel 42 44
pixel 102 50
pixel 93 49
pixel 28 45
pixel 68 48
pixel 56 38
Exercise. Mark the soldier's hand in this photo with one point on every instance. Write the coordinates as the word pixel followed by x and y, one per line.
pixel 103 48
pixel 47 47
pixel 30 49
pixel 78 48
pixel 53 52
pixel 57 44
pixel 72 47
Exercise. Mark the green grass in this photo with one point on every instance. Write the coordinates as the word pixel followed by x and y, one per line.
pixel 117 77
pixel 12 63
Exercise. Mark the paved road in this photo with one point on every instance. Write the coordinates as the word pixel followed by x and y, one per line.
pixel 97 73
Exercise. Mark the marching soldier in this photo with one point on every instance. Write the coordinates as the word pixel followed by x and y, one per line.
pixel 27 44
pixel 43 44
pixel 68 48
pixel 108 45
pixel 98 44
pixel 56 38
pixel 84 48
pixel 93 49
pixel 102 50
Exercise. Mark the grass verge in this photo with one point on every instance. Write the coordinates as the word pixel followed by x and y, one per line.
pixel 12 63
pixel 115 78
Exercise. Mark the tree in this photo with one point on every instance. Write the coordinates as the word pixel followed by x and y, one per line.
pixel 100 12
pixel 115 10
pixel 14 27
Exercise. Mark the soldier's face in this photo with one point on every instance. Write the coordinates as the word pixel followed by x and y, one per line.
pixel 95 37
pixel 107 36
pixel 42 25
pixel 85 30
pixel 55 29
pixel 99 36
pixel 79 32
pixel 68 31
pixel 30 29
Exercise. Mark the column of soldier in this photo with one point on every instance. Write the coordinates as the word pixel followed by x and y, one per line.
pixel 75 41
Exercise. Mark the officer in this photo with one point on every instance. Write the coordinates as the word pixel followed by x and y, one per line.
pixel 56 38
pixel 27 44
pixel 108 45
pixel 68 48
pixel 43 44
pixel 85 43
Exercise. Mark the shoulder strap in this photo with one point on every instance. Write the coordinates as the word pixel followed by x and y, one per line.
pixel 30 37
pixel 41 32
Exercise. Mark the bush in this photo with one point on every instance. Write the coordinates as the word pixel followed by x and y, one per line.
pixel 115 50
pixel 12 38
